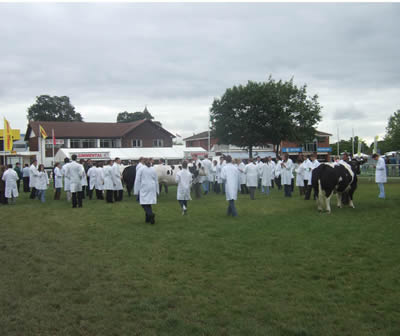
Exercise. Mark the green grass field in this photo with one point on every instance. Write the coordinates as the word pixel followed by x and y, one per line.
pixel 280 268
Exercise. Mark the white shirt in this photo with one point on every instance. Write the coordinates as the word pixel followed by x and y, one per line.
pixel 146 185
pixel 184 180
pixel 33 175
pixel 57 178
pixel 92 175
pixel 267 174
pixel 75 172
pixel 251 171
pixel 117 177
pixel 286 172
pixel 10 177
pixel 230 176
pixel 108 178
pixel 42 181
pixel 380 172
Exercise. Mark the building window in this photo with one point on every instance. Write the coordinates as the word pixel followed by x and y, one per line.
pixel 158 143
pixel 83 143
pixel 75 143
pixel 310 147
pixel 137 143
pixel 108 143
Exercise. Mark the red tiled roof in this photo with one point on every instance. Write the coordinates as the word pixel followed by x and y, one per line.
pixel 80 129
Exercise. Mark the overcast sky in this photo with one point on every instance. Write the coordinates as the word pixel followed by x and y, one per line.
pixel 176 58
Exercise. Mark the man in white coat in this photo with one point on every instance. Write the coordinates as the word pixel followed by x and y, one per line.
pixel 33 176
pixel 277 172
pixel 67 183
pixel 10 177
pixel 99 186
pixel 146 186
pixel 380 174
pixel 92 177
pixel 314 164
pixel 118 188
pixel 286 175
pixel 109 181
pixel 75 172
pixel 57 176
pixel 307 176
pixel 184 180
pixel 266 176
pixel 252 174
pixel 230 176
pixel 206 164
pixel 242 176
pixel 220 165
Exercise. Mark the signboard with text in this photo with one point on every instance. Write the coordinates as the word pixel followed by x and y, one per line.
pixel 93 155
pixel 291 149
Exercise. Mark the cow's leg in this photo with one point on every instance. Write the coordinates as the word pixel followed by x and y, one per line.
pixel 339 199
pixel 320 197
pixel 328 203
pixel 351 192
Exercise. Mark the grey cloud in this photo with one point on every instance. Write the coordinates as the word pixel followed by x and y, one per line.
pixel 122 56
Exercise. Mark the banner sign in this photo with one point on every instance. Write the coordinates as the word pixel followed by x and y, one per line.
pixel 58 142
pixel 291 149
pixel 324 149
pixel 96 156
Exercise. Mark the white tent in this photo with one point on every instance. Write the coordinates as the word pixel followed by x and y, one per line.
pixel 102 154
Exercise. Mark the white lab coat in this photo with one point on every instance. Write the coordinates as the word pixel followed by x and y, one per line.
pixel 117 177
pixel 242 174
pixel 207 164
pixel 300 175
pixel 267 174
pixel 260 168
pixel 33 176
pixel 146 185
pixel 42 181
pixel 84 178
pixel 67 183
pixel 230 176
pixel 273 164
pixel 10 177
pixel 251 171
pixel 219 171
pixel 213 173
pixel 108 178
pixel 99 178
pixel 286 172
pixel 75 172
pixel 307 170
pixel 25 172
pixel 57 178
pixel 92 175
pixel 380 172
pixel 278 168
pixel 184 180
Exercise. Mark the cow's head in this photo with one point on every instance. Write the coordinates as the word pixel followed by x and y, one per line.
pixel 355 166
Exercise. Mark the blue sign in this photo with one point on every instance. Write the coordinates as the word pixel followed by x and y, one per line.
pixel 324 149
pixel 292 149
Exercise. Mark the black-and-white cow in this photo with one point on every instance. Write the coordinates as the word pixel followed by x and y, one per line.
pixel 330 178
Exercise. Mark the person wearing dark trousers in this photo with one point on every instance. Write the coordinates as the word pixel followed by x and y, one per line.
pixel 57 174
pixel 25 177
pixel 33 177
pixel 117 180
pixel 252 177
pixel 109 181
pixel 310 167
pixel 230 176
pixel 286 174
pixel 146 186
pixel 184 180
pixel 75 173
pixel 17 169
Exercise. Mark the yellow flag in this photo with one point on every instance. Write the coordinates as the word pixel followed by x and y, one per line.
pixel 42 132
pixel 8 140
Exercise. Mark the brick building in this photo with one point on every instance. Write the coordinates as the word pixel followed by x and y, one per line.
pixel 138 134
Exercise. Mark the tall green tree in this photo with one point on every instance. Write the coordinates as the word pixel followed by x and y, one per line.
pixel 47 108
pixel 392 136
pixel 264 112
pixel 347 146
pixel 124 117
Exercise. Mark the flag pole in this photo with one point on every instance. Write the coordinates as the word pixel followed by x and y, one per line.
pixel 338 152
pixel 4 142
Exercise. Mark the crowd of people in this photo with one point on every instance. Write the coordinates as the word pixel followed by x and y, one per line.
pixel 228 176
